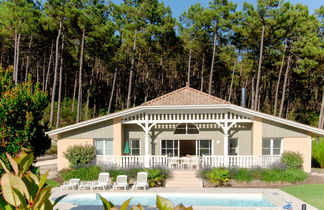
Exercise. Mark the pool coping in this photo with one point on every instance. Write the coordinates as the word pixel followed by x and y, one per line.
pixel 276 196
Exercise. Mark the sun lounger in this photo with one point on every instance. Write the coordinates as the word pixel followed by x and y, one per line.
pixel 141 181
pixel 72 184
pixel 103 181
pixel 121 182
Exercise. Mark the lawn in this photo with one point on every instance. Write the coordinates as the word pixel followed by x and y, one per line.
pixel 310 193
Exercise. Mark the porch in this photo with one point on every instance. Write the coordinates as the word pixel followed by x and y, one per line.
pixel 196 162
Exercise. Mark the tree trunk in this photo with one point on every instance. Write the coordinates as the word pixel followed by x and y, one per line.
pixel 58 114
pixel 131 72
pixel 202 73
pixel 232 81
pixel 212 63
pixel 321 118
pixel 112 91
pixel 37 73
pixel 259 70
pixel 189 66
pixel 43 73
pixel 74 92
pixel 17 59
pixel 55 73
pixel 79 108
pixel 278 82
pixel 284 86
pixel 27 59
pixel 89 90
pixel 252 93
pixel 48 68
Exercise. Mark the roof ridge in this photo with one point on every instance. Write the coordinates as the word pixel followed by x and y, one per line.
pixel 183 89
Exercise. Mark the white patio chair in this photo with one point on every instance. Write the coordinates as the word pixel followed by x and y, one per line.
pixel 121 182
pixel 86 185
pixel 194 163
pixel 102 182
pixel 71 184
pixel 185 162
pixel 141 181
pixel 173 162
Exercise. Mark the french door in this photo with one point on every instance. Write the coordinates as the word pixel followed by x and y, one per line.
pixel 171 148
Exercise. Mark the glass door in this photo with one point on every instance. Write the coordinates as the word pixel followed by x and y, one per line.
pixel 203 147
pixel 170 148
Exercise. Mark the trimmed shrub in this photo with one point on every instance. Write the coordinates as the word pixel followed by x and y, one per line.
pixel 219 176
pixel 241 174
pixel 83 173
pixel 80 154
pixel 294 175
pixel 292 159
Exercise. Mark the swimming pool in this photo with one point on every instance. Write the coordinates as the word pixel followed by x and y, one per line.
pixel 187 199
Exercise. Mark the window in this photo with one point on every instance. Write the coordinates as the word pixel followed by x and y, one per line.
pixel 104 146
pixel 271 146
pixel 170 148
pixel 204 147
pixel 186 128
pixel 233 147
pixel 135 146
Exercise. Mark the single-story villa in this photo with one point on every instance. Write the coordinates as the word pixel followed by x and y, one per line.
pixel 188 123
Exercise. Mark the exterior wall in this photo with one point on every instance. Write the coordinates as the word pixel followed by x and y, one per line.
pixel 98 130
pixel 62 146
pixel 302 145
pixel 257 136
pixel 207 132
pixel 118 136
pixel 273 129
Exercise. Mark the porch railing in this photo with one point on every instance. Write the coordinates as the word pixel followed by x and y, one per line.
pixel 130 161
pixel 243 161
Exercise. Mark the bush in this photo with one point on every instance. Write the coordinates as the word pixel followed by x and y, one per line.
pixel 318 153
pixel 292 159
pixel 83 173
pixel 241 174
pixel 220 176
pixel 80 154
pixel 294 175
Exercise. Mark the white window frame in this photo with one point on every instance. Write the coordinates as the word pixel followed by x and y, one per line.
pixel 131 146
pixel 104 145
pixel 271 145
pixel 173 147
pixel 237 148
pixel 198 146
pixel 186 129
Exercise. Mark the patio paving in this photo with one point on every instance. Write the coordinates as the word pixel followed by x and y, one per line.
pixel 277 192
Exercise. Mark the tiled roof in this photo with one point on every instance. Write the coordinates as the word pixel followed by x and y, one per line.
pixel 185 96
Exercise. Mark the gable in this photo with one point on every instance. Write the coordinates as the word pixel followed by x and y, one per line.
pixel 185 96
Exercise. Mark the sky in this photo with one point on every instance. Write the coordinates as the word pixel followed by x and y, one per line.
pixel 179 6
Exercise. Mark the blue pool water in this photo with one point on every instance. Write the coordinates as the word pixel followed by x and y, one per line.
pixel 149 199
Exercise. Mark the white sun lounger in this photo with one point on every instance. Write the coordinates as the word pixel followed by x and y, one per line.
pixel 72 184
pixel 121 182
pixel 141 181
pixel 102 182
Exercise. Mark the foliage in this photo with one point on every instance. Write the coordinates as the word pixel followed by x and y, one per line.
pixel 309 193
pixel 161 204
pixel 83 173
pixel 21 111
pixel 220 176
pixel 80 154
pixel 52 150
pixel 292 159
pixel 241 174
pixel 291 175
pixel 318 153
pixel 22 189
pixel 52 183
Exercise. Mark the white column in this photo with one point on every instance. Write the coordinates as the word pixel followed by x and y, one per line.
pixel 226 128
pixel 226 143
pixel 147 142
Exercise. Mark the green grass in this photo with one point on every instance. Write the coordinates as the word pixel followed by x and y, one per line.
pixel 52 183
pixel 310 193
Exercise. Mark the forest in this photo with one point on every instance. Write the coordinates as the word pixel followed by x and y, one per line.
pixel 95 57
